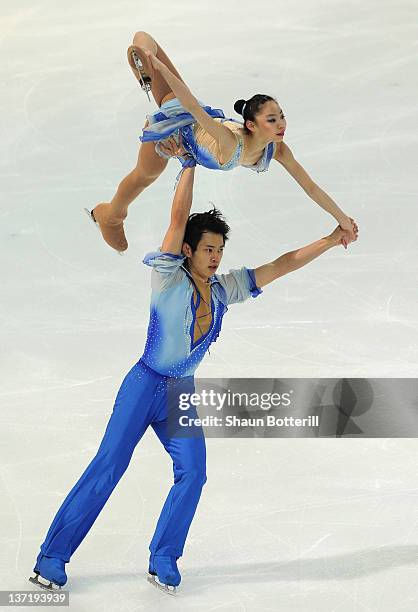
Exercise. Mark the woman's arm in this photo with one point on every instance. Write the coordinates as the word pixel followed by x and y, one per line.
pixel 297 259
pixel 285 157
pixel 223 135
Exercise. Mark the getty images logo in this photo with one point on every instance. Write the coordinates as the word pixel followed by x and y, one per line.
pixel 218 401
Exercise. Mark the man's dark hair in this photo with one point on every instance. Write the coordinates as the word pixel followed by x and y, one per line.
pixel 199 223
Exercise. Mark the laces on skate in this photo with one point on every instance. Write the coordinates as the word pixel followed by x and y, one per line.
pixel 144 79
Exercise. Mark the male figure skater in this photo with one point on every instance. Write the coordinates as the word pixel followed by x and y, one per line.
pixel 188 302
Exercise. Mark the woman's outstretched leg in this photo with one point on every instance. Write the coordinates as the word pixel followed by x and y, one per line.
pixel 110 216
pixel 160 89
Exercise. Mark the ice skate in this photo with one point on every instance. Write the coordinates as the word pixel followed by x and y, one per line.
pixel 49 573
pixel 163 573
pixel 136 59
pixel 111 230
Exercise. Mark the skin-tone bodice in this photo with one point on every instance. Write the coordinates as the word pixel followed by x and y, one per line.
pixel 204 139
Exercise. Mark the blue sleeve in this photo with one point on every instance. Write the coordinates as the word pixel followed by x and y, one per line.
pixel 166 269
pixel 239 285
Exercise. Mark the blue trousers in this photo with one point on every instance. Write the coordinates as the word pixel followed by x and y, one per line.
pixel 141 401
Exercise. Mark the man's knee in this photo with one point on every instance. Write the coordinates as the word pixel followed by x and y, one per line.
pixel 197 476
pixel 109 467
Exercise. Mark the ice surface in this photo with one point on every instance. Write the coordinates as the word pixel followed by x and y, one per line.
pixel 307 525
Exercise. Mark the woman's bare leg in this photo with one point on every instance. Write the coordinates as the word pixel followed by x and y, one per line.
pixel 159 87
pixel 110 216
pixel 150 165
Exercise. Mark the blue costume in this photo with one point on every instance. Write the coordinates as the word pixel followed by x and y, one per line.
pixel 170 358
pixel 172 118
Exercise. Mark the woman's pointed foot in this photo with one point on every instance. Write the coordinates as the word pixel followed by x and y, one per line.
pixel 111 226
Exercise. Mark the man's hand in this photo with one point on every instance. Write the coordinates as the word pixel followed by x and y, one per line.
pixel 342 236
pixel 350 226
pixel 170 147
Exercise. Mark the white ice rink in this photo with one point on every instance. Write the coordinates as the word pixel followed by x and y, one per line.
pixel 308 525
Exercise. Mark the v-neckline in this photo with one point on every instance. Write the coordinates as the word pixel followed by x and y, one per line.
pixel 195 308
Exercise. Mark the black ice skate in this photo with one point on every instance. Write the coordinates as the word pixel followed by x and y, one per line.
pixel 167 588
pixel 49 573
pixel 164 574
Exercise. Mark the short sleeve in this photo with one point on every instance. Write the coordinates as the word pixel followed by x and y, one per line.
pixel 166 269
pixel 239 285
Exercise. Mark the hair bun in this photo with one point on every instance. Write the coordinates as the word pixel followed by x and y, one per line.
pixel 238 106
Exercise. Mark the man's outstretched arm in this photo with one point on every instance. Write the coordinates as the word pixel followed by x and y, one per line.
pixel 297 259
pixel 180 208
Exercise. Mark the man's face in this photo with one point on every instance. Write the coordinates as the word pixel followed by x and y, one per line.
pixel 206 259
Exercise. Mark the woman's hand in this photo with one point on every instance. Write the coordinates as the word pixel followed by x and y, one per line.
pixel 349 225
pixel 342 236
pixel 155 62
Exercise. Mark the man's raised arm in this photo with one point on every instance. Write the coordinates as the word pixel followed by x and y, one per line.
pixel 182 203
pixel 300 257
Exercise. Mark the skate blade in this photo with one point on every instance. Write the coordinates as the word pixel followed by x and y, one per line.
pixel 144 82
pixel 166 588
pixel 90 216
pixel 48 584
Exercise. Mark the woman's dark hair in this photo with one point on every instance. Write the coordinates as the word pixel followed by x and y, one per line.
pixel 252 107
pixel 199 223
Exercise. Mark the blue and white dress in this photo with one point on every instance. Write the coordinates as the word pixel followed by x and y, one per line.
pixel 172 118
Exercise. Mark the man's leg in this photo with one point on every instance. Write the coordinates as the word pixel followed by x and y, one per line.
pixel 133 411
pixel 189 467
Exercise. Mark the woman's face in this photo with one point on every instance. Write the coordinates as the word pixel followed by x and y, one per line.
pixel 270 123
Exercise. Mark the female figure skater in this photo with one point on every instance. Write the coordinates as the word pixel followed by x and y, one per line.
pixel 214 141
